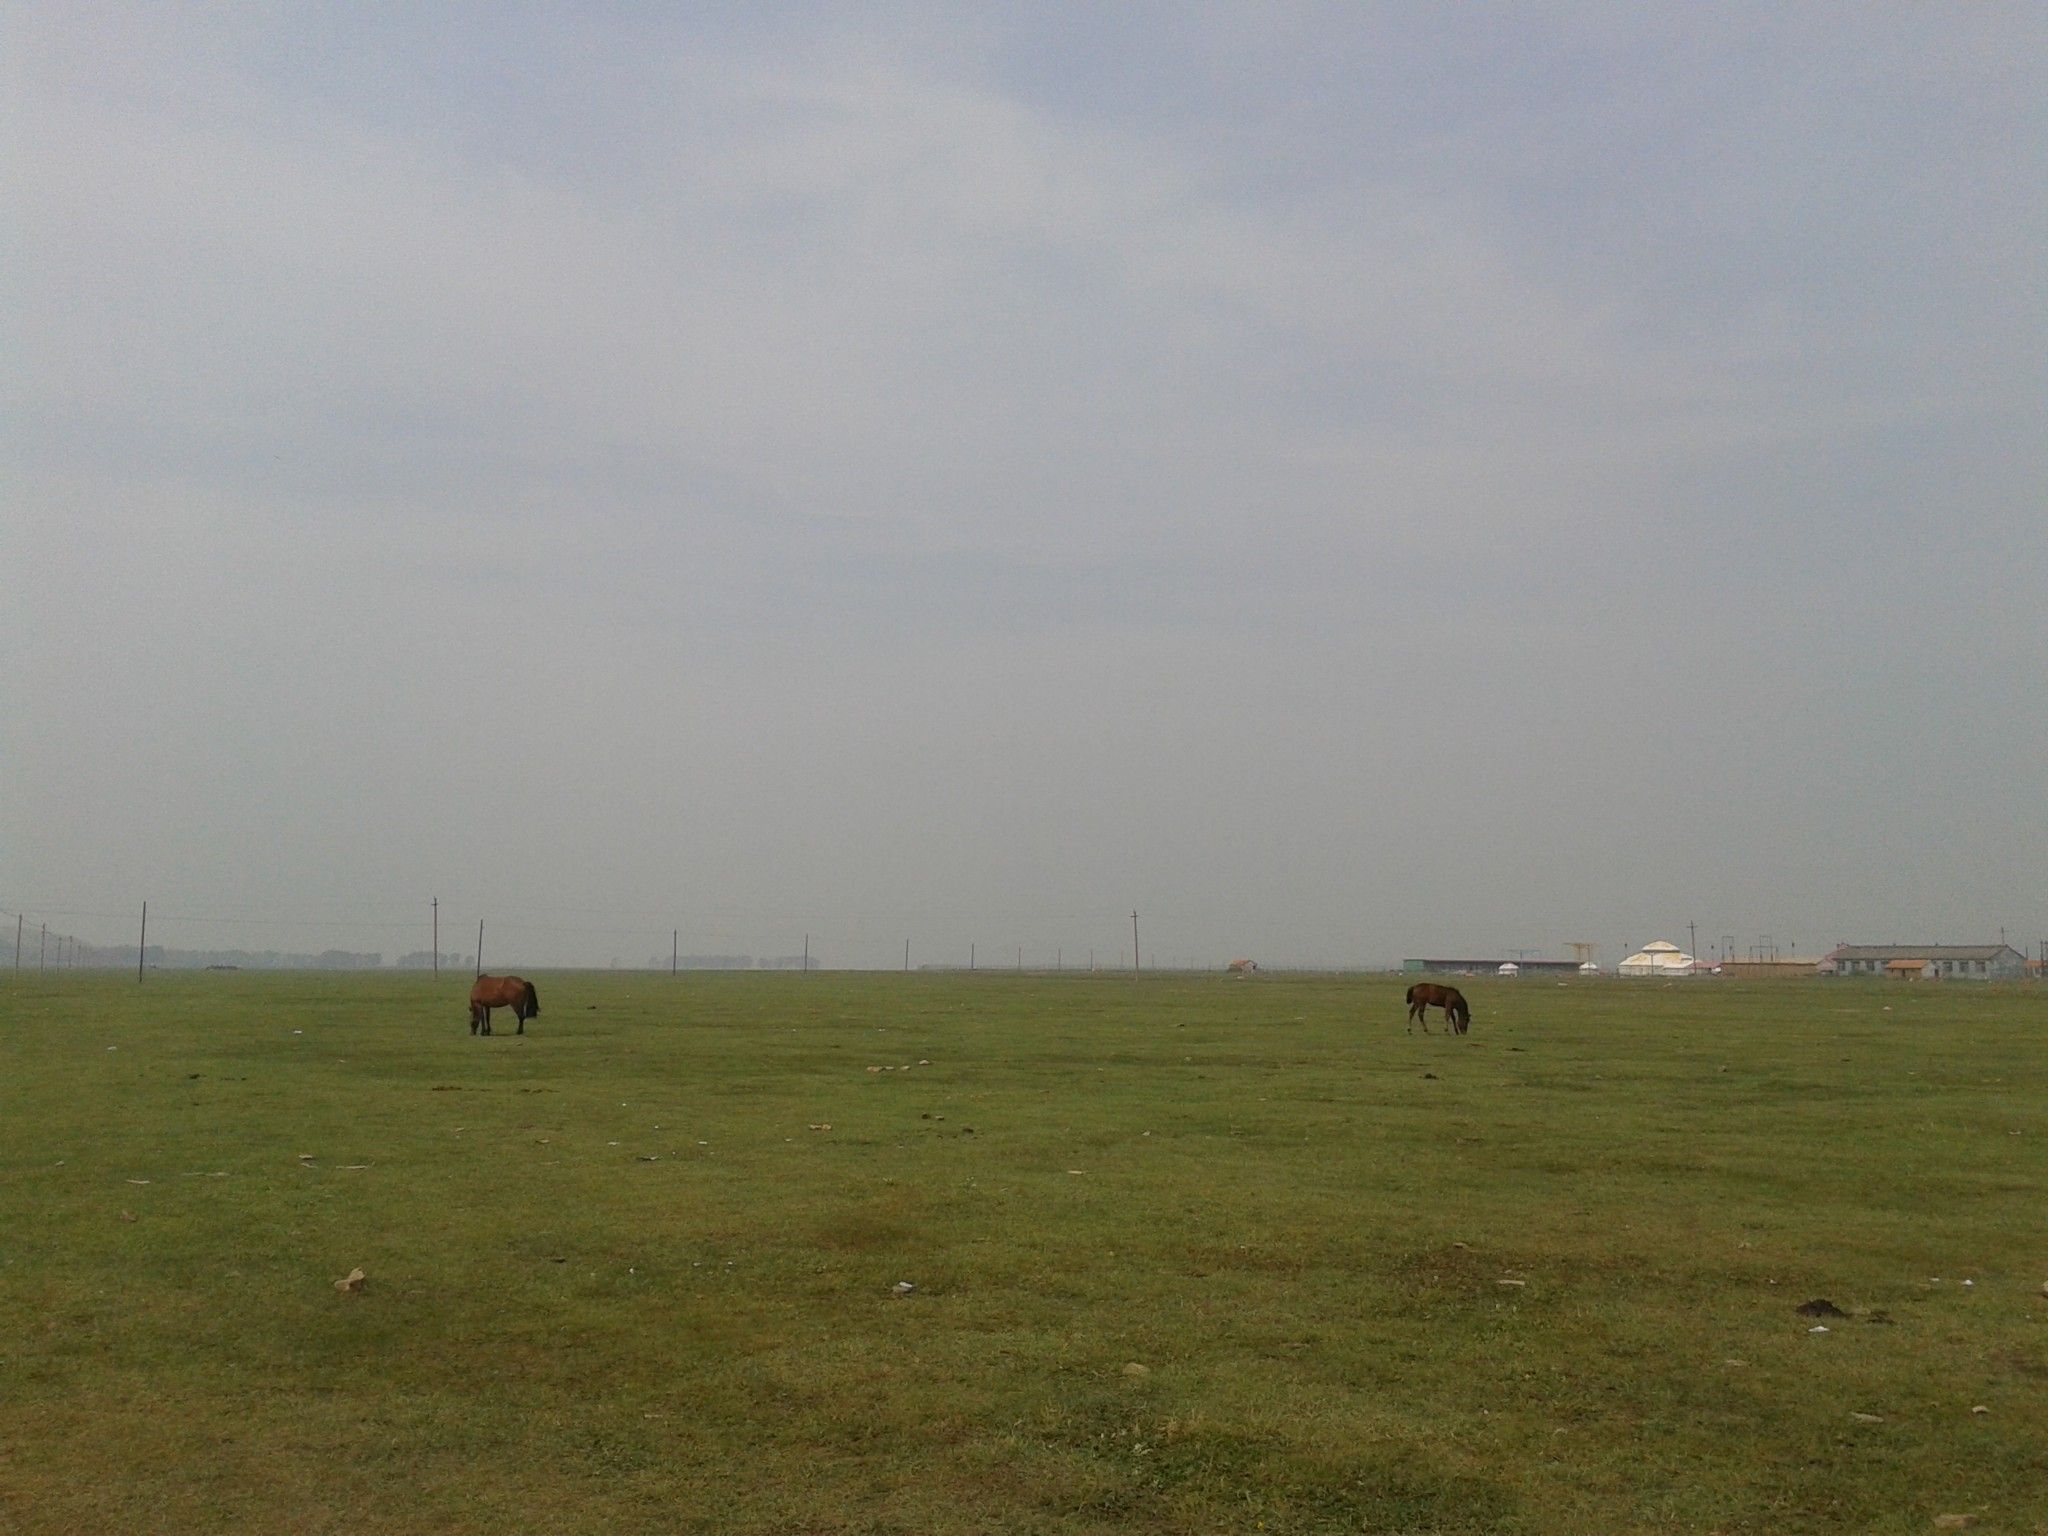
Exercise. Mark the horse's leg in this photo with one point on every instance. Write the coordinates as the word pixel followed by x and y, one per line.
pixel 520 1014
pixel 472 1018
pixel 487 1018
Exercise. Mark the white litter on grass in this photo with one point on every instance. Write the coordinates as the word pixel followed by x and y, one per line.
pixel 1818 1328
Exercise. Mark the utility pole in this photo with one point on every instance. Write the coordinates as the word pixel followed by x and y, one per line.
pixel 906 956
pixel 675 946
pixel 970 954
pixel 142 943
pixel 1134 944
pixel 479 946
pixel 807 954
pixel 1020 959
pixel 1692 933
pixel 437 935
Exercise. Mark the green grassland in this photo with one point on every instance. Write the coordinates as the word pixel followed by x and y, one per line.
pixel 1188 1254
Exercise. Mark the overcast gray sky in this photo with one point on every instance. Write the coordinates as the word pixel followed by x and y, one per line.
pixel 1345 480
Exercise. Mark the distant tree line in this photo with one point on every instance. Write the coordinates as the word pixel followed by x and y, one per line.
pixel 160 958
pixel 423 960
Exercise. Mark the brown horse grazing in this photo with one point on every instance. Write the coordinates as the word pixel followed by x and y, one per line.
pixel 501 992
pixel 1425 995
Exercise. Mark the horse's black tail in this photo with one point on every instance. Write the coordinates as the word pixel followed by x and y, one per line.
pixel 532 1000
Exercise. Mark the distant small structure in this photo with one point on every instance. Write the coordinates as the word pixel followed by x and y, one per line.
pixel 1508 968
pixel 1588 968
pixel 1241 967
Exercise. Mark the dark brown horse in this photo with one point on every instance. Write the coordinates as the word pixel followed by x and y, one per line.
pixel 501 992
pixel 1425 995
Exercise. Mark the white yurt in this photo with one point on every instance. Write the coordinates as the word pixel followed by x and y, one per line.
pixel 1589 969
pixel 1659 959
pixel 1509 969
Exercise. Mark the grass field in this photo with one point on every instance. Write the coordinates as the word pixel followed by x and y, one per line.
pixel 1188 1254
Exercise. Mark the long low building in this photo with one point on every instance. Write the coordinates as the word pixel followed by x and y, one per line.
pixel 1492 967
pixel 1962 962
pixel 1770 970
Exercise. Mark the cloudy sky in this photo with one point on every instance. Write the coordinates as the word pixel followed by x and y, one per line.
pixel 1344 480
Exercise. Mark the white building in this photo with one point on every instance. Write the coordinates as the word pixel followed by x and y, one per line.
pixel 1659 959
